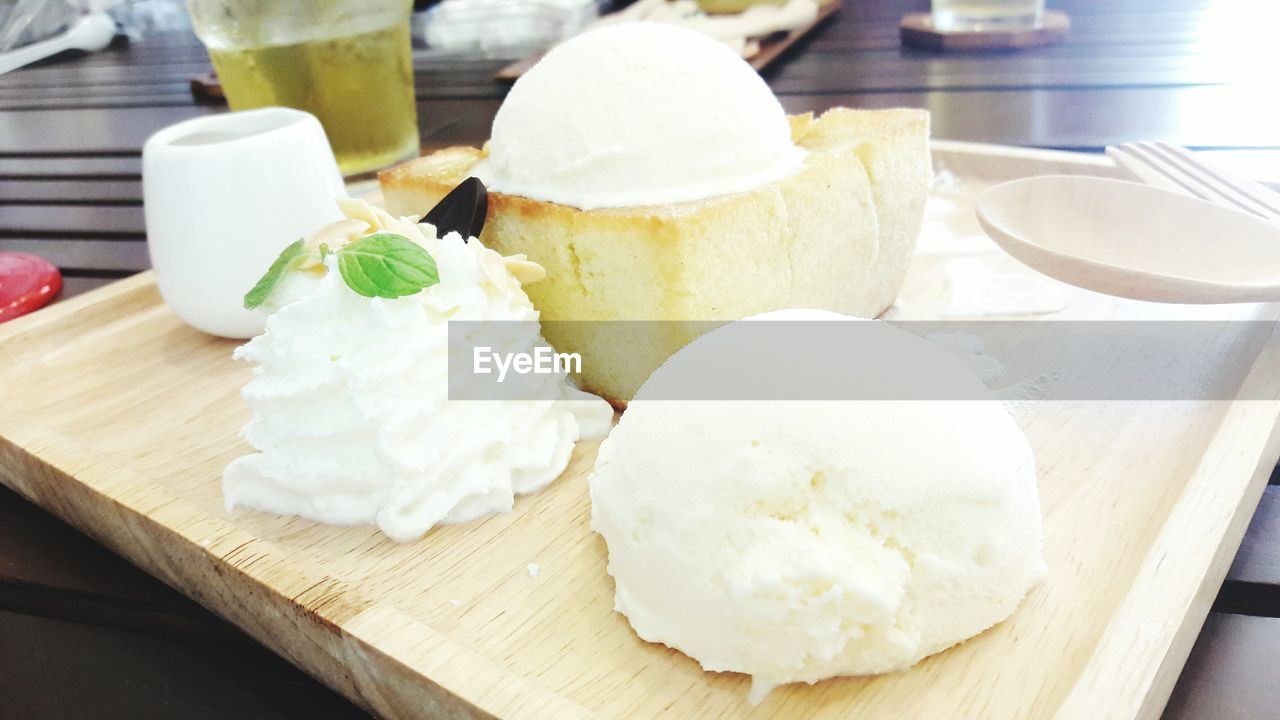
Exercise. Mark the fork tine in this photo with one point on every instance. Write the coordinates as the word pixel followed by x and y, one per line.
pixel 1255 192
pixel 1176 164
pixel 1152 172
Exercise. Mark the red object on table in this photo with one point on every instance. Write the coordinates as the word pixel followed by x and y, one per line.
pixel 27 283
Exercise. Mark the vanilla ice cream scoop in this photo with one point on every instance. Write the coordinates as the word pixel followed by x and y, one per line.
pixel 638 114
pixel 796 541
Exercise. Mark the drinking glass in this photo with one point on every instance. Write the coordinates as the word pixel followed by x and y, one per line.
pixel 347 62
pixel 987 14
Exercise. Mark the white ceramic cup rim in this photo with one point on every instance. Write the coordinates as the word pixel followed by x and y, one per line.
pixel 244 127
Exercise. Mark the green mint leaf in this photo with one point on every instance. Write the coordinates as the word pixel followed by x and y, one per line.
pixel 386 265
pixel 288 258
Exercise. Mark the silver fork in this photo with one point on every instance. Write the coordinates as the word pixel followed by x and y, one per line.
pixel 1180 170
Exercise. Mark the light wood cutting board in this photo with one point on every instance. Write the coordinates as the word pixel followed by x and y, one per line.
pixel 119 419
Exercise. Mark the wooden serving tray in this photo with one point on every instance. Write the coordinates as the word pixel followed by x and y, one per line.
pixel 118 418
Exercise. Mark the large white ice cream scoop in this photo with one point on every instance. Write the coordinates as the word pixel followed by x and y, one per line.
pixel 801 540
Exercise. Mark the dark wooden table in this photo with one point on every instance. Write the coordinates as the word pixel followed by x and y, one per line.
pixel 84 634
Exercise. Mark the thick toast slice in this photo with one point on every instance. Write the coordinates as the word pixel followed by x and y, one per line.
pixel 838 235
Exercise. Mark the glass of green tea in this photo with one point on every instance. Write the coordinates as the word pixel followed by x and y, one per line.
pixel 347 62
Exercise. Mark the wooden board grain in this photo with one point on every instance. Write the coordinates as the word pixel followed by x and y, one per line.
pixel 124 418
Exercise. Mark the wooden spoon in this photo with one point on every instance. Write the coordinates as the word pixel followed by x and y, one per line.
pixel 1135 241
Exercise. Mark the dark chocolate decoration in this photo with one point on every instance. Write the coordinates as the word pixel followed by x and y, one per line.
pixel 462 211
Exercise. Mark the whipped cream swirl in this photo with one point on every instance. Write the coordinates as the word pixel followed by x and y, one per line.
pixel 352 421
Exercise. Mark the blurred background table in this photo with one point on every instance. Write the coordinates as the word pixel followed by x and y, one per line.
pixel 84 634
